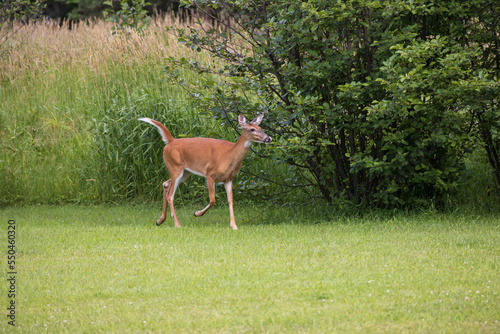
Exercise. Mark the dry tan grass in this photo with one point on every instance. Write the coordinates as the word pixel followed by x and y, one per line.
pixel 44 47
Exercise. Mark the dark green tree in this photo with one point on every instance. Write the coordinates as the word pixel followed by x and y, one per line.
pixel 377 100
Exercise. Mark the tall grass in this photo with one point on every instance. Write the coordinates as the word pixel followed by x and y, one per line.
pixel 55 81
pixel 62 90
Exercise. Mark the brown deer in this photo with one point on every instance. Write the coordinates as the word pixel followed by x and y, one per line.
pixel 217 160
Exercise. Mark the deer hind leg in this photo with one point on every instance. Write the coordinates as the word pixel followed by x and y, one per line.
pixel 166 186
pixel 211 195
pixel 170 193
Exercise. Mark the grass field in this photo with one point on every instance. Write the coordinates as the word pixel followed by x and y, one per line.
pixel 99 269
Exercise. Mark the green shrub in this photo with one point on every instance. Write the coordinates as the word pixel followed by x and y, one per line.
pixel 376 102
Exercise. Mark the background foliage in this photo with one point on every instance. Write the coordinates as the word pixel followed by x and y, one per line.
pixel 369 104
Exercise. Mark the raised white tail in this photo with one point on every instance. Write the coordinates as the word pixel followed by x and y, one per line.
pixel 217 160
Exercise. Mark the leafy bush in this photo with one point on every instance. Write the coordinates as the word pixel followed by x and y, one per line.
pixel 377 102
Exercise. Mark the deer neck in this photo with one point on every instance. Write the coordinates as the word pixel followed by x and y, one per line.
pixel 241 148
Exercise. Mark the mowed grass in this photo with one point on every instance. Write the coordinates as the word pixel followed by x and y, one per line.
pixel 99 269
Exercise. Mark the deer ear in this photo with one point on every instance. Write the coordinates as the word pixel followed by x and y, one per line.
pixel 242 120
pixel 258 119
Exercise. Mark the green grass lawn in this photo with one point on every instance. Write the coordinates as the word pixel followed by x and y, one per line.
pixel 85 269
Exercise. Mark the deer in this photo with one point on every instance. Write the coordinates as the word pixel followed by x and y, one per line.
pixel 216 160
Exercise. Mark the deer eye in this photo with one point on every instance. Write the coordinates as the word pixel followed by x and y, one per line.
pixel 252 130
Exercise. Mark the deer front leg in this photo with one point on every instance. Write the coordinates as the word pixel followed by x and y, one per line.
pixel 229 190
pixel 166 186
pixel 174 183
pixel 211 195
